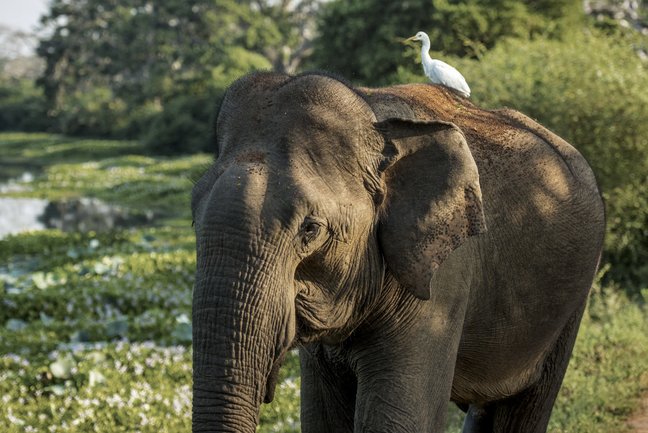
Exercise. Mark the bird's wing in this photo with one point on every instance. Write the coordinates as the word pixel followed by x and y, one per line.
pixel 449 76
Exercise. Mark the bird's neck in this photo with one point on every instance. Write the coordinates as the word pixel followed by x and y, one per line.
pixel 425 49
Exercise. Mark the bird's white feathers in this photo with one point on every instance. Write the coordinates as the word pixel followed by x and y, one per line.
pixel 440 72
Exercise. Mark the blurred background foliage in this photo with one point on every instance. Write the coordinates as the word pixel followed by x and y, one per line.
pixel 83 313
pixel 154 72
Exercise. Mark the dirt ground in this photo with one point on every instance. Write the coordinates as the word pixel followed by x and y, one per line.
pixel 638 422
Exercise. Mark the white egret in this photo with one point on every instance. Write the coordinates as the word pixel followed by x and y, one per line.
pixel 440 72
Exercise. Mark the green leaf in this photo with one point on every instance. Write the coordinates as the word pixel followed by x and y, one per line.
pixel 41 280
pixel 73 253
pixel 117 328
pixel 47 320
pixel 80 336
pixel 96 378
pixel 15 325
pixel 62 368
pixel 96 357
pixel 56 389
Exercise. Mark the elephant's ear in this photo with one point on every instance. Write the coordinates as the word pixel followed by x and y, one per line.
pixel 433 199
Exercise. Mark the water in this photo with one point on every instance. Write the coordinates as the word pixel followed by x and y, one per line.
pixel 75 214
pixel 20 214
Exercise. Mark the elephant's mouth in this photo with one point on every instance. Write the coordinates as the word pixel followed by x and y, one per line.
pixel 311 329
pixel 304 333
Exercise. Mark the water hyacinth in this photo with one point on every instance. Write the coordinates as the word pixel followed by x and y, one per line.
pixel 85 386
pixel 84 381
pixel 95 328
pixel 62 368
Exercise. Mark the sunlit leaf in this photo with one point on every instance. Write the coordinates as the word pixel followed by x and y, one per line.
pixel 96 378
pixel 62 368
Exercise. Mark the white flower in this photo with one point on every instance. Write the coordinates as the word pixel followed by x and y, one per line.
pixel 144 419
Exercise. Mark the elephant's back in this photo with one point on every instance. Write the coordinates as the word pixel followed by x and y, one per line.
pixel 540 173
pixel 503 139
pixel 535 264
pixel 515 155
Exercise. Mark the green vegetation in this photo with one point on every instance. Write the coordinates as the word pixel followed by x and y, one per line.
pixel 362 39
pixel 95 331
pixel 22 106
pixel 102 169
pixel 609 367
pixel 175 60
pixel 591 90
pixel 95 328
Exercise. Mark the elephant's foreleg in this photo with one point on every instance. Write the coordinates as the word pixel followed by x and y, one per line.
pixel 327 393
pixel 405 377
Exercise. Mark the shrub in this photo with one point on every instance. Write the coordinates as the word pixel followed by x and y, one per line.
pixel 22 107
pixel 626 244
pixel 92 112
pixel 607 371
pixel 361 39
pixel 183 126
pixel 591 90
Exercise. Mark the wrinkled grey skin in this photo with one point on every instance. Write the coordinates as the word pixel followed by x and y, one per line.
pixel 417 249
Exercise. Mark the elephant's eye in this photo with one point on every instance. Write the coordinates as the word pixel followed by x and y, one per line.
pixel 310 229
pixel 311 235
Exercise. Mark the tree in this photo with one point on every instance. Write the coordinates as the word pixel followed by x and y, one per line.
pixel 21 104
pixel 137 50
pixel 111 65
pixel 361 39
pixel 295 23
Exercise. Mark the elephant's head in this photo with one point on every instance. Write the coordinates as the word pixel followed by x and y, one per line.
pixel 308 204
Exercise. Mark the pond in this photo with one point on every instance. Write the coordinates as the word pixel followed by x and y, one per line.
pixel 74 214
pixel 21 214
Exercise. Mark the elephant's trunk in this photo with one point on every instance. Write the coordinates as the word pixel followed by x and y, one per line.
pixel 243 305
pixel 241 329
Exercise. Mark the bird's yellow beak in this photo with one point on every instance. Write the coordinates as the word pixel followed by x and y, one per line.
pixel 410 39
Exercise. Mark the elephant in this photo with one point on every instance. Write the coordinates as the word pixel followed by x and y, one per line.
pixel 416 249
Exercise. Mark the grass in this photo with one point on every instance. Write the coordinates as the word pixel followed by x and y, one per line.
pixel 95 332
pixel 608 371
pixel 113 171
pixel 29 151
